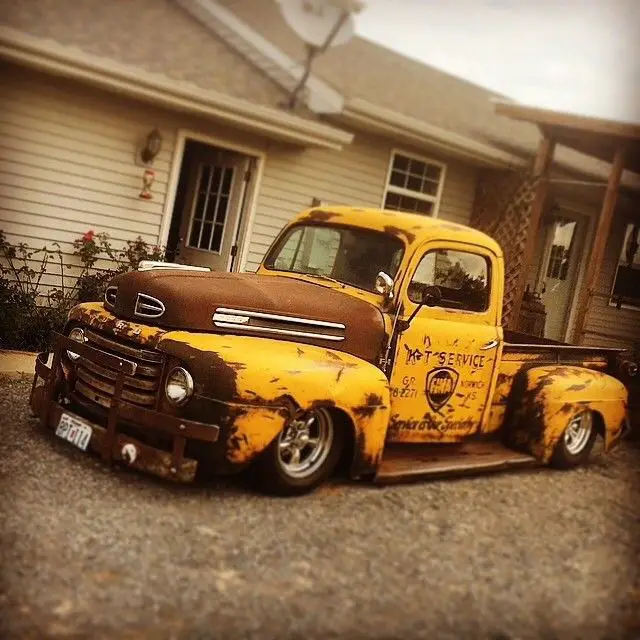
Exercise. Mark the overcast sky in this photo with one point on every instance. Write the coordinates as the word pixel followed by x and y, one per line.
pixel 581 56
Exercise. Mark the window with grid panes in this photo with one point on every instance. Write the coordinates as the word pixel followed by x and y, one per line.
pixel 414 185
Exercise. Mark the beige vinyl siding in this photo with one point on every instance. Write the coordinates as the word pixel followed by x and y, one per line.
pixel 67 165
pixel 622 326
pixel 73 166
pixel 354 176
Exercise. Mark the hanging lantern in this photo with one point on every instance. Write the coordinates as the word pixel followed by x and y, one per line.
pixel 147 180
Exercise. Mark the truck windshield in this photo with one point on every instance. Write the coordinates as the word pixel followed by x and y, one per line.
pixel 349 255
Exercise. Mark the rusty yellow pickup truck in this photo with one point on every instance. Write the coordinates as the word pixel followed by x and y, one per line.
pixel 368 341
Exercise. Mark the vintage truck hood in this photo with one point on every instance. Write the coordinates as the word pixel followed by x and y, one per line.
pixel 249 304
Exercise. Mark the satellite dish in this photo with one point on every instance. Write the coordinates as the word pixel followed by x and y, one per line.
pixel 321 23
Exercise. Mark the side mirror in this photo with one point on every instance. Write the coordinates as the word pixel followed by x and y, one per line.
pixel 431 296
pixel 384 286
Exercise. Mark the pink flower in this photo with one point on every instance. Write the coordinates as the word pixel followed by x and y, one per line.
pixel 88 237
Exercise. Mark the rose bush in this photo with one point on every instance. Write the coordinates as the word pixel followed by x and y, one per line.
pixel 31 309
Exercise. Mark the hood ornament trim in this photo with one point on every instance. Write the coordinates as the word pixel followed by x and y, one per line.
pixel 110 295
pixel 148 307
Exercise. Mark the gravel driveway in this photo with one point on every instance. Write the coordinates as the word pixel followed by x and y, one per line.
pixel 89 553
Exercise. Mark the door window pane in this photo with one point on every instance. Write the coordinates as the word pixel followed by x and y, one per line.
pixel 211 207
pixel 461 277
pixel 560 254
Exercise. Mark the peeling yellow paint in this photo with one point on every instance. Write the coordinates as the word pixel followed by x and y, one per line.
pixel 266 372
pixel 553 395
pixel 95 315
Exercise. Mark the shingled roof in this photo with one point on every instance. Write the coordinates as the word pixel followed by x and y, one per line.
pixel 184 50
pixel 365 70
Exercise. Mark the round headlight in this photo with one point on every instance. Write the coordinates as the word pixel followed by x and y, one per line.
pixel 76 334
pixel 179 386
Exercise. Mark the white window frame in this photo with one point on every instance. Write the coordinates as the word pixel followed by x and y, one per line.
pixel 612 303
pixel 435 200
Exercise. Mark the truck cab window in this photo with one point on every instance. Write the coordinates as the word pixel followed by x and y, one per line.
pixel 350 255
pixel 462 277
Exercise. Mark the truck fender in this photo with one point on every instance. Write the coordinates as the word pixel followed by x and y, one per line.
pixel 544 399
pixel 362 393
pixel 265 382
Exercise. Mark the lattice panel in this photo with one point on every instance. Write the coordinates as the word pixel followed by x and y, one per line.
pixel 503 210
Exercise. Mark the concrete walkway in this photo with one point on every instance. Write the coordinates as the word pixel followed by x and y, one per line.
pixel 17 362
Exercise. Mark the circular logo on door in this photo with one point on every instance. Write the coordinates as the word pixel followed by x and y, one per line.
pixel 440 385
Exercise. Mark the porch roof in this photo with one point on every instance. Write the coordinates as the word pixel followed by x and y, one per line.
pixel 595 137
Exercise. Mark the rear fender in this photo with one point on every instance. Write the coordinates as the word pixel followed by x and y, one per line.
pixel 266 382
pixel 544 399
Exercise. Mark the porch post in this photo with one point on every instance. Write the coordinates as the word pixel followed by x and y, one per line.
pixel 600 238
pixel 541 166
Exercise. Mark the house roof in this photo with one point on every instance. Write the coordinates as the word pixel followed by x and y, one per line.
pixel 174 61
pixel 154 35
pixel 366 72
pixel 359 84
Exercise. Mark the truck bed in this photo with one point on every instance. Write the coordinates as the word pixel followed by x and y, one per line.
pixel 521 349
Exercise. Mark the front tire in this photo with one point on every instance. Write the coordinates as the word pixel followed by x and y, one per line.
pixel 302 456
pixel 576 443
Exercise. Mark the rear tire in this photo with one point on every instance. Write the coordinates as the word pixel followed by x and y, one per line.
pixel 576 443
pixel 302 456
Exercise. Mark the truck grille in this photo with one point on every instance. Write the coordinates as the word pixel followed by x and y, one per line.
pixel 97 382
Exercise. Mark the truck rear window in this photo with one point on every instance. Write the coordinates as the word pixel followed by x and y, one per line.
pixel 350 255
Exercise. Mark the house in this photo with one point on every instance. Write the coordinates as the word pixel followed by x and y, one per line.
pixel 89 87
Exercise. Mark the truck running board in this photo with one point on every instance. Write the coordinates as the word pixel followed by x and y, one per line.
pixel 402 462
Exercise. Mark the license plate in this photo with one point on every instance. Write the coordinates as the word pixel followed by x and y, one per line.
pixel 74 430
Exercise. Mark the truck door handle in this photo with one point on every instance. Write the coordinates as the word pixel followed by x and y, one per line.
pixel 490 345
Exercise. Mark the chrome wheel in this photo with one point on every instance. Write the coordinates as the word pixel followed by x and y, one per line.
pixel 578 433
pixel 304 444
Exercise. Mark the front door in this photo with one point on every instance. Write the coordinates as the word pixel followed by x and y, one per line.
pixel 445 360
pixel 214 195
pixel 559 269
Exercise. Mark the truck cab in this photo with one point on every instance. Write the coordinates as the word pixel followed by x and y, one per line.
pixel 366 338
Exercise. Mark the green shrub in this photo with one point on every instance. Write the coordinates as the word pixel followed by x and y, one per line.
pixel 28 316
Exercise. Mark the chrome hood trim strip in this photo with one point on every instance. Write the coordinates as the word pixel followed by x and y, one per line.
pixel 239 319
pixel 221 313
pixel 287 332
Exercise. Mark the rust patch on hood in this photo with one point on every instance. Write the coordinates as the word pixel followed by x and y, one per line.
pixel 191 298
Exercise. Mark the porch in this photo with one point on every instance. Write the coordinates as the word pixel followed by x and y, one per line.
pixel 571 243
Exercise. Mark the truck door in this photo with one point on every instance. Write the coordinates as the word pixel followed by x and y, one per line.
pixel 445 359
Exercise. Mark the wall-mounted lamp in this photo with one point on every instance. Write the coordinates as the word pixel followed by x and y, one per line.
pixel 152 147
